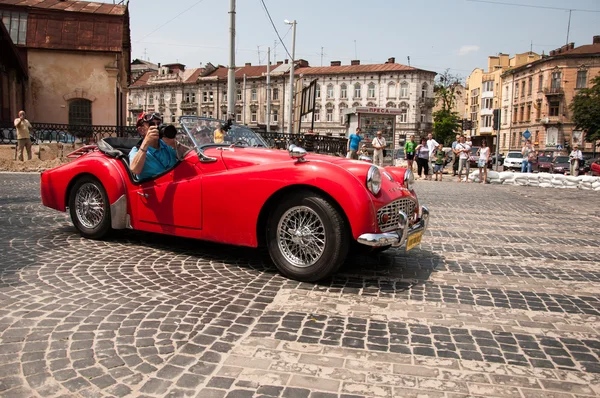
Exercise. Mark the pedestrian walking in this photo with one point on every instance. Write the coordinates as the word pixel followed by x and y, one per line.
pixel 409 151
pixel 526 152
pixel 423 159
pixel 440 159
pixel 484 156
pixel 23 135
pixel 575 159
pixel 432 146
pixel 378 148
pixel 352 146
pixel 463 150
pixel 455 156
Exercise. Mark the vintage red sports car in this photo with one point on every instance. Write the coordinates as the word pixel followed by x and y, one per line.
pixel 308 210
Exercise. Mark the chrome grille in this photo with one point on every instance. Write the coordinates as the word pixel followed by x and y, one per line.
pixel 406 205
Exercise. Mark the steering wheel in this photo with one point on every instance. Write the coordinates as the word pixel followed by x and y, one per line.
pixel 240 141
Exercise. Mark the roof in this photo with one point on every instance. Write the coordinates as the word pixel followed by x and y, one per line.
pixel 350 69
pixel 587 50
pixel 69 6
pixel 194 75
pixel 143 80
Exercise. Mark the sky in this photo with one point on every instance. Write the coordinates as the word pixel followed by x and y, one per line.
pixel 436 34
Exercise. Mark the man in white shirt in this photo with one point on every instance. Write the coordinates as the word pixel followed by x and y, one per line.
pixel 431 145
pixel 463 150
pixel 575 158
pixel 378 147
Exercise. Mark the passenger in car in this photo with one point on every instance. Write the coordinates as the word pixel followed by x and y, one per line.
pixel 152 156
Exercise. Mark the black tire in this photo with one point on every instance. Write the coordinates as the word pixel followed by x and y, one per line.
pixel 364 250
pixel 327 222
pixel 92 221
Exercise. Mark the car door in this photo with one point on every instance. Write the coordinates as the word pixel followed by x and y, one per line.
pixel 170 203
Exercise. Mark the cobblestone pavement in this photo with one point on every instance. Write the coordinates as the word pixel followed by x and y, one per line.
pixel 500 300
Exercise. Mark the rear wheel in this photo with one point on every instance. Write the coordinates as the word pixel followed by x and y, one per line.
pixel 89 208
pixel 307 237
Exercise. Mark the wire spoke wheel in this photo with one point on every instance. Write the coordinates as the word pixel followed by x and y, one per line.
pixel 89 205
pixel 301 236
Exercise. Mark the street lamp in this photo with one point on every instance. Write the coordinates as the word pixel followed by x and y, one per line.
pixel 291 104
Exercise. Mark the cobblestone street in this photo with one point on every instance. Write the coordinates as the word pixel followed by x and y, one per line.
pixel 500 300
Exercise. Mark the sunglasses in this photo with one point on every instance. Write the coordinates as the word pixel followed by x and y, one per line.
pixel 152 116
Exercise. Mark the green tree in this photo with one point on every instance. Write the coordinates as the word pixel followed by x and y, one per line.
pixel 446 121
pixel 585 109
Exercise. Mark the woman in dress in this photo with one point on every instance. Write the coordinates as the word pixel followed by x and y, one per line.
pixel 484 155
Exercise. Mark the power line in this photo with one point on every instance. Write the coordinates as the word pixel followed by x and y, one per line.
pixel 275 28
pixel 176 16
pixel 530 6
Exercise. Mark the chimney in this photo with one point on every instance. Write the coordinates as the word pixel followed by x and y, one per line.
pixel 286 61
pixel 159 65
pixel 279 62
pixel 336 63
pixel 355 62
pixel 571 46
pixel 391 60
pixel 564 48
pixel 248 64
pixel 596 40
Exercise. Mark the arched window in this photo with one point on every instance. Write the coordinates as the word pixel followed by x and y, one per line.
pixel 343 91
pixel 404 115
pixel 371 104
pixel 80 112
pixel 343 107
pixel 371 93
pixel 404 90
pixel 390 105
pixel 391 90
pixel 330 91
pixel 424 90
pixel 357 90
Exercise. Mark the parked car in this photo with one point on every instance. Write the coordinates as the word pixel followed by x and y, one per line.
pixel 306 209
pixel 513 160
pixel 543 164
pixel 560 164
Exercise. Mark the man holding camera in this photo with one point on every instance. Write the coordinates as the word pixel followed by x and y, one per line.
pixel 151 156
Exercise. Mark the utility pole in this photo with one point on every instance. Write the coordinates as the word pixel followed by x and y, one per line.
pixel 258 49
pixel 231 71
pixel 569 26
pixel 291 103
pixel 321 55
pixel 268 89
pixel 244 100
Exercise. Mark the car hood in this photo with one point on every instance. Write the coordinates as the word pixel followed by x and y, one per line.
pixel 544 164
pixel 561 164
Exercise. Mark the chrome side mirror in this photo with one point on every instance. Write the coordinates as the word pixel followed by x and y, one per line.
pixel 297 153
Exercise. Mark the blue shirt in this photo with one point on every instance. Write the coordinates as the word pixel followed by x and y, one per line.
pixel 354 141
pixel 157 160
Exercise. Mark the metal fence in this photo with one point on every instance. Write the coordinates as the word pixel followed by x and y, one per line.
pixel 69 134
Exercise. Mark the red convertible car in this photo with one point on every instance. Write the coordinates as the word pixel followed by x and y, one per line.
pixel 307 209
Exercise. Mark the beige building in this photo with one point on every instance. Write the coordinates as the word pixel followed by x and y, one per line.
pixel 459 101
pixel 483 93
pixel 77 56
pixel 536 98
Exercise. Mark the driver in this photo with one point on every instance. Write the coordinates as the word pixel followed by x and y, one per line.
pixel 151 156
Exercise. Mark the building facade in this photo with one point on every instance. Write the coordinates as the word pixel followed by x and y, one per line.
pixel 203 92
pixel 13 78
pixel 483 91
pixel 77 55
pixel 536 98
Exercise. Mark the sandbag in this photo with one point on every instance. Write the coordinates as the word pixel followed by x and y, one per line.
pixel 585 188
pixel 504 175
pixel 572 179
pixel 545 185
pixel 597 189
pixel 558 177
pixel 589 179
pixel 492 175
pixel 495 181
pixel 596 185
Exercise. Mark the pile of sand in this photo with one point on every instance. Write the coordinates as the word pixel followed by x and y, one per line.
pixel 33 165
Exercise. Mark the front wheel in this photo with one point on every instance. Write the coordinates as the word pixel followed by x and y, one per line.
pixel 307 237
pixel 89 208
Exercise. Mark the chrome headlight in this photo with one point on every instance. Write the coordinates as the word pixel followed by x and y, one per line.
pixel 409 179
pixel 374 180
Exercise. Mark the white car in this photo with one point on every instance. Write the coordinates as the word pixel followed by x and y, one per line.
pixel 513 161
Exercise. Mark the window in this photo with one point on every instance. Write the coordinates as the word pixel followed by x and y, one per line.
pixel 540 83
pixel 523 88
pixel 253 94
pixel 317 114
pixel 555 83
pixel 391 90
pixel 161 98
pixel 404 115
pixel 528 114
pixel 554 107
pixel 530 86
pixel 343 91
pixel 517 90
pixel 16 25
pixel 253 117
pixel 207 96
pixel 318 90
pixel 504 116
pixel 224 95
pixel 357 90
pixel 371 92
pixel 238 117
pixel 487 103
pixel 239 95
pixel 522 114
pixel 581 79
pixel 151 99
pixel 505 91
pixel 424 90
pixel 515 114
pixel 172 118
pixel 275 94
pixel 189 97
pixel 329 115
pixel 330 91
pixel 404 90
pixel 80 112
pixel 173 98
pixel 488 85
pixel 486 121
pixel 275 116
pixel 538 110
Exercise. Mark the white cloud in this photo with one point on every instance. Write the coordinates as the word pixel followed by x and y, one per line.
pixel 464 50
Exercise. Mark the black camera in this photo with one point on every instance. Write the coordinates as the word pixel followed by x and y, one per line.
pixel 167 130
pixel 227 125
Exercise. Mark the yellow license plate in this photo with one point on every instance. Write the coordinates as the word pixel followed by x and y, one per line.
pixel 413 240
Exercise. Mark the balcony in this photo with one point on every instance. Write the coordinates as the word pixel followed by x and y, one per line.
pixel 552 120
pixel 135 107
pixel 553 91
pixel 426 126
pixel 426 102
pixel 188 105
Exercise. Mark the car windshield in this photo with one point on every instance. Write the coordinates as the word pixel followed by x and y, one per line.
pixel 561 159
pixel 514 155
pixel 474 150
pixel 544 159
pixel 203 132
